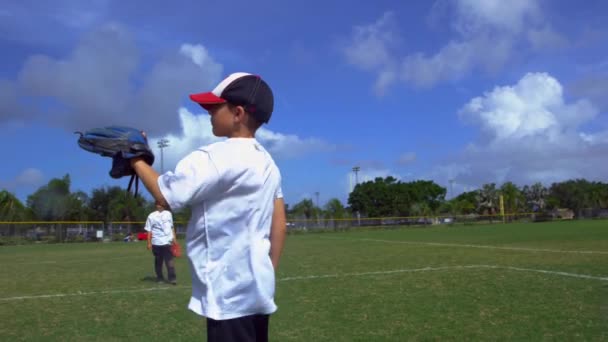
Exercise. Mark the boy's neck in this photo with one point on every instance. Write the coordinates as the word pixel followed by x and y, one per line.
pixel 242 134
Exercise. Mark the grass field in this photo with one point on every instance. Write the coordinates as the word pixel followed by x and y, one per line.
pixel 543 281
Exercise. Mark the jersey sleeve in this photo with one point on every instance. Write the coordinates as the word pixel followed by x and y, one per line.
pixel 194 179
pixel 148 226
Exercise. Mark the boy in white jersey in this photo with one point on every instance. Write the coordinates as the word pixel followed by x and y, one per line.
pixel 236 233
pixel 161 235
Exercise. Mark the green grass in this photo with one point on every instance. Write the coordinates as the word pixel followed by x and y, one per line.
pixel 373 285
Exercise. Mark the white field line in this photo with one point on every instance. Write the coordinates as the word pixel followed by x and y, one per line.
pixel 321 276
pixel 524 249
pixel 80 260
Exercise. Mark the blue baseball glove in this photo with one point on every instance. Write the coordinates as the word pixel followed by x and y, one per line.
pixel 121 144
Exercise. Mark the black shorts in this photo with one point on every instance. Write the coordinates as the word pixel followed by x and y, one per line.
pixel 163 252
pixel 252 328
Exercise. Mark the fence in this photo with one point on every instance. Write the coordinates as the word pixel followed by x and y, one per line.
pixel 94 231
pixel 71 231
pixel 409 221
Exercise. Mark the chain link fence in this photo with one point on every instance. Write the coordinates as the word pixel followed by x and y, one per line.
pixel 12 233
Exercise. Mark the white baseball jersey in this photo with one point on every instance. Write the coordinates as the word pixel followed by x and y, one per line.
pixel 160 223
pixel 231 187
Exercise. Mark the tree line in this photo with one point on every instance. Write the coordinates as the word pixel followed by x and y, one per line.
pixel 389 197
pixel 382 197
pixel 56 202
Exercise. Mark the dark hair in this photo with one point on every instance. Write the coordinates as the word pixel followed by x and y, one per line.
pixel 253 123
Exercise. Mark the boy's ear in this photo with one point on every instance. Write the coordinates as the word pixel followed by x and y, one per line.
pixel 239 112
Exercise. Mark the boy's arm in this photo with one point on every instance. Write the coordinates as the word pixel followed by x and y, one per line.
pixel 150 239
pixel 149 177
pixel 174 234
pixel 278 231
pixel 148 228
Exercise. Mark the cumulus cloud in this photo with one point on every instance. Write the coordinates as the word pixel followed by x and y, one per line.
pixel 100 83
pixel 27 178
pixel 530 133
pixel 370 44
pixel 485 35
pixel 534 107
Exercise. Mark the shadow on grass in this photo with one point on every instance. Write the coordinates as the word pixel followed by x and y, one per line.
pixel 149 279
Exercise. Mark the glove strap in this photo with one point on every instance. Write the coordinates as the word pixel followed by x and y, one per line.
pixel 136 179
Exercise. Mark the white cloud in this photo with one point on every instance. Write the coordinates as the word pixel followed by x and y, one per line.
pixel 534 107
pixel 199 55
pixel 370 44
pixel 407 158
pixel 29 176
pixel 530 134
pixel 99 84
pixel 370 48
pixel 484 37
pixel 474 17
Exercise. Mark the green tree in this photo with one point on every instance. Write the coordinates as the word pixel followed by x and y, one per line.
pixel 334 209
pixel 11 208
pixel 116 204
pixel 305 208
pixel 386 197
pixel 465 203
pixel 52 202
pixel 376 198
pixel 427 194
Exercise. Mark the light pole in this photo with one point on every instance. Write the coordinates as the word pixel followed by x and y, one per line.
pixel 162 143
pixel 451 188
pixel 318 209
pixel 356 171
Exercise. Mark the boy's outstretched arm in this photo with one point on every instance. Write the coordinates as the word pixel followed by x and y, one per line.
pixel 149 177
pixel 278 231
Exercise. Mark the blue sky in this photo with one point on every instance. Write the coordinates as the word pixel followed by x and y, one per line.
pixel 473 91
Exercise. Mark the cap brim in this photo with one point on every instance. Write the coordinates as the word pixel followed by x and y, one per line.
pixel 207 99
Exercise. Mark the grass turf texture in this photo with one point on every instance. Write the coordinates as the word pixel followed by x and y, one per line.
pixel 373 285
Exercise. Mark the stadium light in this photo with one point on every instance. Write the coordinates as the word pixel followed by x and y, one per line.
pixel 162 143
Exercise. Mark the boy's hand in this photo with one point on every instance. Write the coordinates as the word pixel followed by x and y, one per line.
pixel 149 246
pixel 135 161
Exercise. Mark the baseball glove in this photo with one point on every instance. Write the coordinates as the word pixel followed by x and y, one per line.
pixel 121 144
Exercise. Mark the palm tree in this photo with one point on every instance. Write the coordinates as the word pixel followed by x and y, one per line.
pixel 487 199
pixel 513 198
pixel 334 210
pixel 536 196
pixel 11 210
pixel 304 208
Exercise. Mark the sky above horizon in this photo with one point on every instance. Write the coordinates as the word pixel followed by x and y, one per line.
pixel 463 90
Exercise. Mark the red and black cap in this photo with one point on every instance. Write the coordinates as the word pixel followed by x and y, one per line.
pixel 241 89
